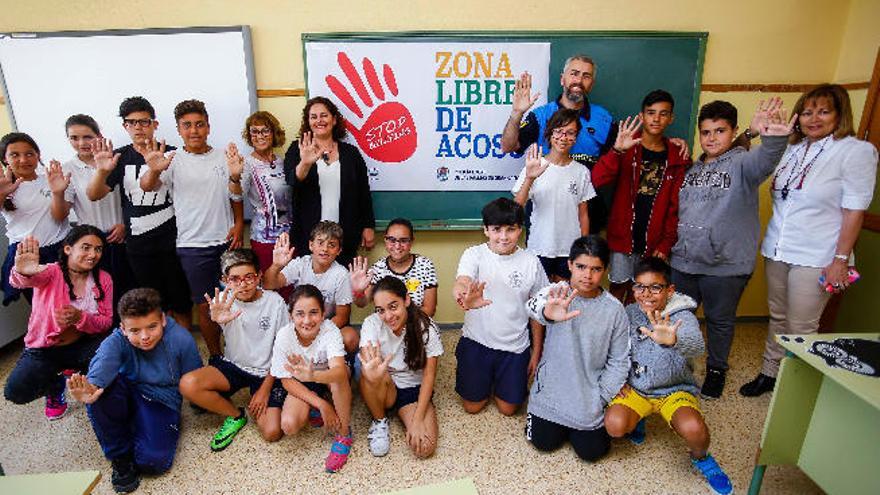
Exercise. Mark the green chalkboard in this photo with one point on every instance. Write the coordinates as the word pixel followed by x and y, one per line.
pixel 629 65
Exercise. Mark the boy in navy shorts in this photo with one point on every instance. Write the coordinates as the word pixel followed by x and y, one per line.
pixel 493 282
pixel 250 317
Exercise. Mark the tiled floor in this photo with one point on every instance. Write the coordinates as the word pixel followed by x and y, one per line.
pixel 487 447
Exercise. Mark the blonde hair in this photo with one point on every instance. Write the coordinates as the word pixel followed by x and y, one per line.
pixel 838 98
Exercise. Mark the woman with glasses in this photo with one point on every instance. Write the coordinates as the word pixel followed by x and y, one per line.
pixel 414 270
pixel 264 185
pixel 330 181
pixel 559 188
pixel 821 188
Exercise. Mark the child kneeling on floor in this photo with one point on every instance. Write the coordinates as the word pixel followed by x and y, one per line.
pixel 309 358
pixel 664 336
pixel 131 389
pixel 250 318
pixel 400 348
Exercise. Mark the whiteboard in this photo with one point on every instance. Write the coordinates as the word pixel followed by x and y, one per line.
pixel 48 77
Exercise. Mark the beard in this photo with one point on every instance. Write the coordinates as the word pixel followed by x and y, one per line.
pixel 573 96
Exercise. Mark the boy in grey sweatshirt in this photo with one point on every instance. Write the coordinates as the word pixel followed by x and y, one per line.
pixel 585 359
pixel 664 337
pixel 718 225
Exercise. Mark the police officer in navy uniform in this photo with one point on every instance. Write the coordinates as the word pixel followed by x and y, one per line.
pixel 597 134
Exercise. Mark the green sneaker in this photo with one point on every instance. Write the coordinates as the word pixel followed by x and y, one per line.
pixel 231 426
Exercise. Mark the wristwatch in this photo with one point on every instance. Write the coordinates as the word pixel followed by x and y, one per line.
pixel 748 134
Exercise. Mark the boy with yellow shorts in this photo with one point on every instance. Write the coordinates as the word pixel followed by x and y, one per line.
pixel 664 338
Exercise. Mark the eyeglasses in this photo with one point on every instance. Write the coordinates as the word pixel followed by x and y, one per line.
pixel 397 240
pixel 653 288
pixel 136 122
pixel 201 124
pixel 260 131
pixel 248 279
pixel 559 133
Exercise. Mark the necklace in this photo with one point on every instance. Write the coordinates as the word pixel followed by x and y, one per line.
pixel 798 171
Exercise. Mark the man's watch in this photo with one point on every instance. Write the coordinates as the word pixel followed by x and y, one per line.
pixel 748 134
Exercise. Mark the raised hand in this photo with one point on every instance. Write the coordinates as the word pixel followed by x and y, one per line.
pixel 778 123
pixel 301 368
pixel 559 299
pixel 762 114
pixel 7 185
pixel 67 316
pixel 220 306
pixel 58 180
pixel 102 151
pixel 234 161
pixel 523 99
pixel 473 296
pixel 535 166
pixel 282 253
pixel 156 158
pixel 81 390
pixel 625 131
pixel 662 330
pixel 27 257
pixel 360 275
pixel 309 150
pixel 373 364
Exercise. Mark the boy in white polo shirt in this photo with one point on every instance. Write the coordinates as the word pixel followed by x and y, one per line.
pixel 494 355
pixel 207 204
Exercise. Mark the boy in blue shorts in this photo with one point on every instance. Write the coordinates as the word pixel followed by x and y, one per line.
pixel 250 317
pixel 664 338
pixel 493 283
pixel 131 389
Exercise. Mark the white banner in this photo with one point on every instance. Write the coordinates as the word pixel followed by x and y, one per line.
pixel 428 116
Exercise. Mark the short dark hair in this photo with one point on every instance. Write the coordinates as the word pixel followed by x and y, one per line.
pixel 401 221
pixel 237 257
pixel 190 106
pixel 562 118
pixel 12 138
pixel 327 228
pixel 653 264
pixel 139 302
pixel 305 290
pixel 718 110
pixel 82 119
pixel 136 104
pixel 590 245
pixel 658 96
pixel 503 211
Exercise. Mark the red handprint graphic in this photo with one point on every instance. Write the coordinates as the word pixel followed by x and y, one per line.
pixel 389 134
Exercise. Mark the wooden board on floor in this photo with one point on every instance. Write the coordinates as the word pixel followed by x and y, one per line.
pixel 464 486
pixel 76 483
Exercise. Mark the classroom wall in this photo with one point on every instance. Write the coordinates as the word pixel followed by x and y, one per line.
pixel 750 41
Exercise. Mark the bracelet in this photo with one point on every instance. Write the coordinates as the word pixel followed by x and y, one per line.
pixel 748 134
pixel 235 181
pixel 842 257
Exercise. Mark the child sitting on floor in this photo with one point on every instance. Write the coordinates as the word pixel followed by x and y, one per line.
pixel 664 336
pixel 131 390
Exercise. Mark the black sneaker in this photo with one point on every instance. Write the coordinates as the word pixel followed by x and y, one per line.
pixel 713 384
pixel 760 385
pixel 125 476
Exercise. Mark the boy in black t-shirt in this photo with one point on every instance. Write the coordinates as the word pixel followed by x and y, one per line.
pixel 648 169
pixel 149 216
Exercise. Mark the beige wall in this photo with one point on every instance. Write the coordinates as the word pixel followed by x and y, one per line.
pixel 750 41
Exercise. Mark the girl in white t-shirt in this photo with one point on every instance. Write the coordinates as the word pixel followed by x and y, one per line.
pixel 417 272
pixel 400 347
pixel 309 358
pixel 559 188
pixel 31 202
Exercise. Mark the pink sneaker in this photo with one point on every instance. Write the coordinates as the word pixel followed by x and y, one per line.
pixel 338 453
pixel 56 406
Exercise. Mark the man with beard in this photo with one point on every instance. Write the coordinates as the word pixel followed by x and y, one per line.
pixel 597 130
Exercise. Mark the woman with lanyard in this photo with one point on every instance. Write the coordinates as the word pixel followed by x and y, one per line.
pixel 821 189
pixel 264 185
pixel 330 181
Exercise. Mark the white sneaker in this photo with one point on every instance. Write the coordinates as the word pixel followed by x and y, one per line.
pixel 379 438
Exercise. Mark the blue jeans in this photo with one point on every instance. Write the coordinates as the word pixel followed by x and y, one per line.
pixel 126 422
pixel 719 296
pixel 36 372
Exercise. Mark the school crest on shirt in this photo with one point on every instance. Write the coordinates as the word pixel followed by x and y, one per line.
pixel 515 279
pixel 412 284
pixel 264 323
pixel 572 188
